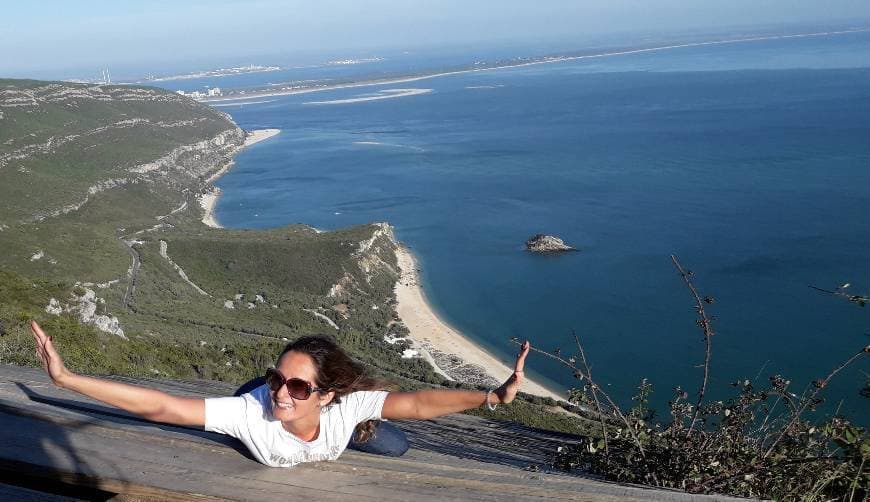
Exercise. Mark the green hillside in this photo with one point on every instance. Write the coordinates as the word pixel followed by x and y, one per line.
pixel 99 212
pixel 103 242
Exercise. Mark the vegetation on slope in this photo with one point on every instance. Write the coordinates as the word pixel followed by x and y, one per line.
pixel 100 217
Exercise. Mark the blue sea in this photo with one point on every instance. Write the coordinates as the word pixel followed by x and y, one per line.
pixel 750 162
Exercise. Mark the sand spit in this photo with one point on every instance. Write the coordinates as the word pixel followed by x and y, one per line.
pixel 384 94
pixel 243 103
pixel 259 135
pixel 427 330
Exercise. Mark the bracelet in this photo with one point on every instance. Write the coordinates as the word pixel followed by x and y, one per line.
pixel 490 406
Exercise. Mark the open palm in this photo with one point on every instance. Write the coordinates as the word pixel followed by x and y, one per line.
pixel 48 356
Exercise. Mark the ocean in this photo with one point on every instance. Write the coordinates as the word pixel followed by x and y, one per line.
pixel 750 162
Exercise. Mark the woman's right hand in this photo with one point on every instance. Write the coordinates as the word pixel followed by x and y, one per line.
pixel 51 360
pixel 148 403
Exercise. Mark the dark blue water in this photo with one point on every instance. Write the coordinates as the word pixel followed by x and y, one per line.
pixel 757 178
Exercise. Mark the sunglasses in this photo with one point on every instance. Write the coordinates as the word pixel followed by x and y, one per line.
pixel 296 387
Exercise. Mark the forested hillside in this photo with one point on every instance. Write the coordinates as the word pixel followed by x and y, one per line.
pixel 102 239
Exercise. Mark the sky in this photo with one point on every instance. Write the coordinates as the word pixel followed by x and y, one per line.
pixel 53 36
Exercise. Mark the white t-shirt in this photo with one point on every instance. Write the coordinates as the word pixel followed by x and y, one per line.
pixel 249 419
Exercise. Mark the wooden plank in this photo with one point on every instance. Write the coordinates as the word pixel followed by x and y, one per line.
pixel 50 480
pixel 19 494
pixel 74 440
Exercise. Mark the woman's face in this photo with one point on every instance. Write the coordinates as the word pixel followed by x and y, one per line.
pixel 289 409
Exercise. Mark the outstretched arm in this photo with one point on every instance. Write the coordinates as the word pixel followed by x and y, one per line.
pixel 424 404
pixel 147 403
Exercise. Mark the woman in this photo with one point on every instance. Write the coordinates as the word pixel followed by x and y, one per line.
pixel 308 410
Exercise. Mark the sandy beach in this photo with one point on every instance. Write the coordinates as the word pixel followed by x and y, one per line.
pixel 427 330
pixel 208 200
pixel 259 135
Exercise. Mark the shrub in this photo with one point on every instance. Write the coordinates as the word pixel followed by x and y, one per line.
pixel 755 444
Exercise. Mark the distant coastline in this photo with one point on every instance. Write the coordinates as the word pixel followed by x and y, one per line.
pixel 209 200
pixel 240 96
pixel 221 72
pixel 413 281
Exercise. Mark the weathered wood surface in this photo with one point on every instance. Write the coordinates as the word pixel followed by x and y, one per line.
pixel 51 437
pixel 17 494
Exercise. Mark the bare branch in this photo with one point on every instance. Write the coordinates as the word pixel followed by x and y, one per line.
pixel 819 385
pixel 595 388
pixel 706 325
pixel 594 391
pixel 613 405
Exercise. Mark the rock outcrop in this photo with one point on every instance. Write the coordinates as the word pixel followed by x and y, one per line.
pixel 541 243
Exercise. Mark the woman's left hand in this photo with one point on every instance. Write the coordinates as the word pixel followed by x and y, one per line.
pixel 430 403
pixel 508 390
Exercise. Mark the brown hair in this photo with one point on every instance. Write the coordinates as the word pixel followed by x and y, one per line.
pixel 337 372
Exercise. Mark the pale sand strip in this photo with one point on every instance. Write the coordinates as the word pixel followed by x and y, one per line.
pixel 259 135
pixel 242 103
pixel 385 94
pixel 425 326
pixel 208 200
